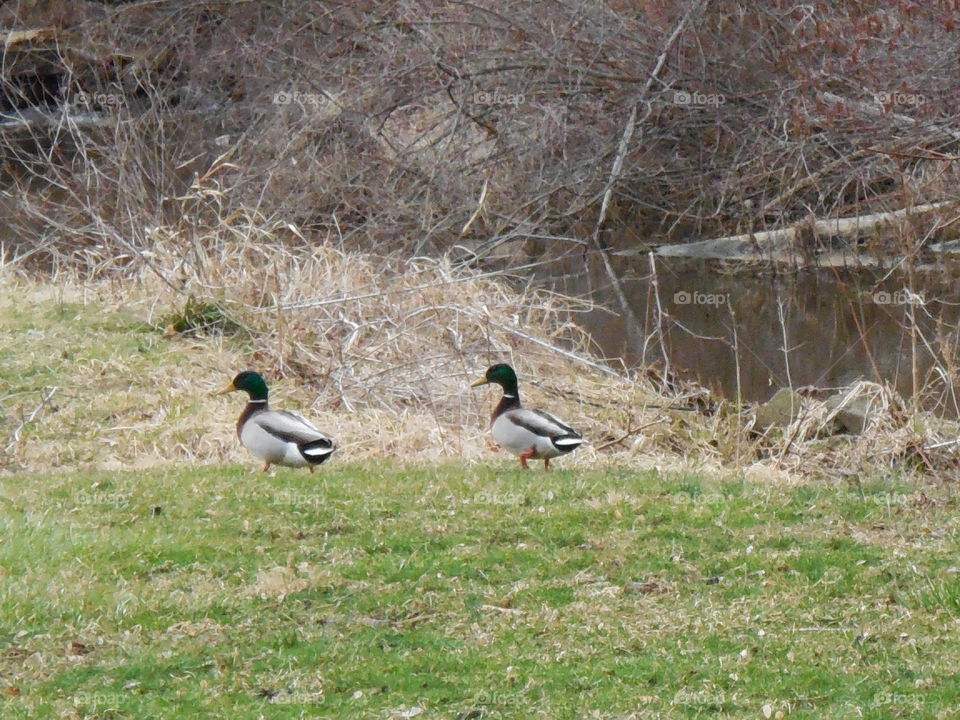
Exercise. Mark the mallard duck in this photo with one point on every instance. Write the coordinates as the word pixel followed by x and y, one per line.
pixel 277 437
pixel 527 433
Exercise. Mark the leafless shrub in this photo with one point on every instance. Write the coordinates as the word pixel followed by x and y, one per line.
pixel 250 146
pixel 375 124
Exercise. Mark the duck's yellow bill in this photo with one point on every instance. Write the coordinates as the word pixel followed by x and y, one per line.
pixel 229 388
pixel 479 382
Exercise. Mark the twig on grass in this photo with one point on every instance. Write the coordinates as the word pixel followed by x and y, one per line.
pixel 15 435
pixel 509 611
pixel 630 432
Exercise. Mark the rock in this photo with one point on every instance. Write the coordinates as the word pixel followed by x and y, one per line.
pixel 780 410
pixel 852 415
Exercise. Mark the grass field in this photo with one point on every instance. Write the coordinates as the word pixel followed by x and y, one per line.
pixel 146 572
pixel 401 591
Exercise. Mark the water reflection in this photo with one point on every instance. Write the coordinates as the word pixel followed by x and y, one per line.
pixel 728 326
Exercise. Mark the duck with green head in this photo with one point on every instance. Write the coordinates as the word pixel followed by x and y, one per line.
pixel 278 437
pixel 526 433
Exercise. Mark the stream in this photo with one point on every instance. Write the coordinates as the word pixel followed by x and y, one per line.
pixel 726 325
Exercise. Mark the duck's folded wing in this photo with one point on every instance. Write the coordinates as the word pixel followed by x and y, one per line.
pixel 541 423
pixel 290 427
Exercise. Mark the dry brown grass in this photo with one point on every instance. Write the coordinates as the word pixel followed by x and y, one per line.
pixel 895 438
pixel 381 356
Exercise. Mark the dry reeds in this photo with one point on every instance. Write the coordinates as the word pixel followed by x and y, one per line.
pixel 380 353
pixel 389 348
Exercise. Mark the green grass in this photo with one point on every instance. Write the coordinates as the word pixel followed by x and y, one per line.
pixel 371 591
pixel 119 391
pixel 378 589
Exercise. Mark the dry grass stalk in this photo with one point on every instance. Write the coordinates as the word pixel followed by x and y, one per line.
pixel 381 356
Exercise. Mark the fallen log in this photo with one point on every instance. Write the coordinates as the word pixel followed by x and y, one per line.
pixel 787 244
pixel 33 121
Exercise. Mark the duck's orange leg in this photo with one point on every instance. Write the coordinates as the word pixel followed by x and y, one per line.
pixel 525 455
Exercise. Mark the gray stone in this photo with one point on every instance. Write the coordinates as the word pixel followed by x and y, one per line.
pixel 855 415
pixel 780 410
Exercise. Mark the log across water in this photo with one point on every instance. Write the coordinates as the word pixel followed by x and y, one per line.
pixel 824 243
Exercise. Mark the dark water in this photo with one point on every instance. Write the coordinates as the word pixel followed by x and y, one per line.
pixel 725 327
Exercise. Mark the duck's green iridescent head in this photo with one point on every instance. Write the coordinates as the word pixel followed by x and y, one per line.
pixel 249 382
pixel 501 374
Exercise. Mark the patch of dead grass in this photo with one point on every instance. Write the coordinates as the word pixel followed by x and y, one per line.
pixel 379 353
